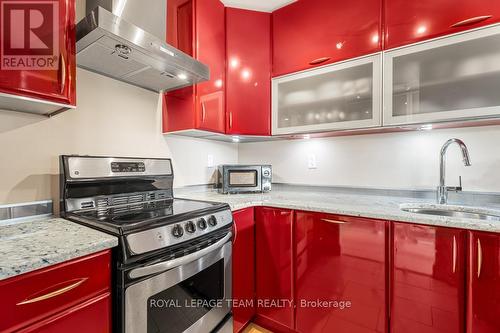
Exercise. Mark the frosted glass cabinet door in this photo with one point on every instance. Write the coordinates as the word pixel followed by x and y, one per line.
pixel 451 78
pixel 346 95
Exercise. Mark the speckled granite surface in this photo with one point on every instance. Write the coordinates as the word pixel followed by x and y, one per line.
pixel 27 246
pixel 372 206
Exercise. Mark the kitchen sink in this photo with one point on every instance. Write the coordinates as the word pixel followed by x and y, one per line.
pixel 453 211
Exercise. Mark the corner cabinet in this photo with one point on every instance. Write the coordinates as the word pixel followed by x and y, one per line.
pixel 447 79
pixel 274 266
pixel 243 268
pixel 248 73
pixel 345 95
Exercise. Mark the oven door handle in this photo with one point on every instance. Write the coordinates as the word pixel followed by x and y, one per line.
pixel 166 265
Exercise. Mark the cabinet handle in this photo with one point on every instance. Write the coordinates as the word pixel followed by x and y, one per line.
pixel 454 254
pixel 319 61
pixel 479 258
pixel 333 221
pixel 53 293
pixel 203 112
pixel 230 120
pixel 63 73
pixel 471 21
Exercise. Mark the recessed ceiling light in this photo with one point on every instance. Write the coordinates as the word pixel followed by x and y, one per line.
pixel 182 76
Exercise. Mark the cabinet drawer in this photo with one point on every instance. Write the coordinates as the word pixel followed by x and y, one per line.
pixel 91 316
pixel 31 297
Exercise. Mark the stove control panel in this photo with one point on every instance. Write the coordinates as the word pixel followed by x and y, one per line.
pixel 157 238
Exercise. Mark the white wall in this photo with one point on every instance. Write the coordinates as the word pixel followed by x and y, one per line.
pixel 112 118
pixel 393 160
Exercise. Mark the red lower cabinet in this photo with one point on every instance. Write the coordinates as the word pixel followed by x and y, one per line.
pixel 483 308
pixel 428 278
pixel 340 274
pixel 243 268
pixel 71 294
pixel 91 316
pixel 274 265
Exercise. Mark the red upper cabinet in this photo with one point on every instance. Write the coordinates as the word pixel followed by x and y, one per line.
pixel 274 265
pixel 407 22
pixel 243 268
pixel 483 309
pixel 317 32
pixel 197 27
pixel 340 258
pixel 54 80
pixel 428 279
pixel 248 53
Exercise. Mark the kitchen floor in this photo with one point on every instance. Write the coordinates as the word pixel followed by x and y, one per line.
pixel 252 328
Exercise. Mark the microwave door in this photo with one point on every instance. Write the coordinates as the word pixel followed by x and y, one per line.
pixel 243 180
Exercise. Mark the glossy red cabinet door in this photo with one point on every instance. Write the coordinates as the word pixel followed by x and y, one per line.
pixel 31 297
pixel 309 33
pixel 248 53
pixel 483 283
pixel 274 267
pixel 407 22
pixel 428 279
pixel 197 27
pixel 54 85
pixel 243 268
pixel 91 316
pixel 340 258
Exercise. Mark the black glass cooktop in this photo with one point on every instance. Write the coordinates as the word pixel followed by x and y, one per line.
pixel 144 214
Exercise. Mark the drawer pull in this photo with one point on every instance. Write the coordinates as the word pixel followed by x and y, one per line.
pixel 53 293
pixel 62 63
pixel 333 221
pixel 319 61
pixel 479 258
pixel 471 21
pixel 203 112
pixel 454 254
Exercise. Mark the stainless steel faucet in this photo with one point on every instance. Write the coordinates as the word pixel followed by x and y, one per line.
pixel 442 190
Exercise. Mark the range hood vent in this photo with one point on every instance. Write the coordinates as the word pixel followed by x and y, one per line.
pixel 111 45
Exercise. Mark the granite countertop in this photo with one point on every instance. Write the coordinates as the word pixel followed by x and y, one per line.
pixel 27 246
pixel 370 206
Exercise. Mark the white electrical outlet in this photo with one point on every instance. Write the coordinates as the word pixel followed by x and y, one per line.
pixel 311 161
pixel 210 161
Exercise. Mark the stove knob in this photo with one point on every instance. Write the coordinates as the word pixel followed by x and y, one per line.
pixel 212 221
pixel 202 223
pixel 190 227
pixel 177 231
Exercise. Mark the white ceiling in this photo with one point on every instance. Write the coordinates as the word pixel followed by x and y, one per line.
pixel 258 5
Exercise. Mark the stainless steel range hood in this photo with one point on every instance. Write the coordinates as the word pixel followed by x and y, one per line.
pixel 125 40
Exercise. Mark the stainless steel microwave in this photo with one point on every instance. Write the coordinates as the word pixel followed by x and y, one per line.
pixel 244 178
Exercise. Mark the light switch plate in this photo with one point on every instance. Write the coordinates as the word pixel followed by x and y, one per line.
pixel 210 161
pixel 312 162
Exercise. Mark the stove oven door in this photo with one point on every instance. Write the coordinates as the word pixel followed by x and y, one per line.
pixel 191 297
